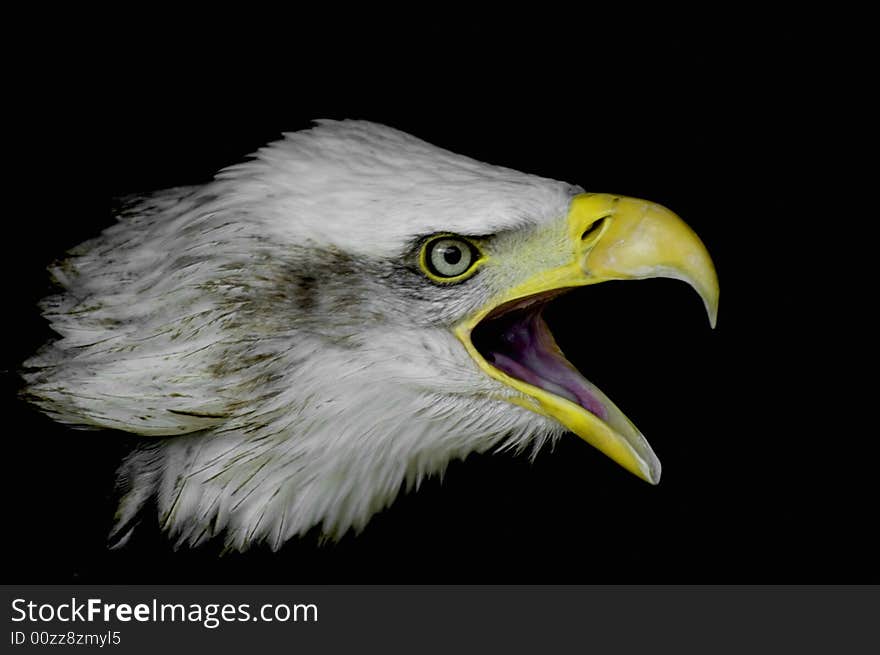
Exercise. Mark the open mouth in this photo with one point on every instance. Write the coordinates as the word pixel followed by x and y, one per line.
pixel 514 345
pixel 515 339
pixel 605 238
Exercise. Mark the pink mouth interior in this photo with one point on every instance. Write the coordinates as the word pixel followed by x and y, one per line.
pixel 515 339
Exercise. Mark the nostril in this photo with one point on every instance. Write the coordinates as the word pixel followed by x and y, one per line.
pixel 594 228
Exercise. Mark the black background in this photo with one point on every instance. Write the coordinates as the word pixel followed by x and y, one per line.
pixel 764 480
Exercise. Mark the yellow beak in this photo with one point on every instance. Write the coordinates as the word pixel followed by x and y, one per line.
pixel 641 240
pixel 610 238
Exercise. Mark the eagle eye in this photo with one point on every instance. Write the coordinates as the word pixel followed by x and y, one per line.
pixel 448 258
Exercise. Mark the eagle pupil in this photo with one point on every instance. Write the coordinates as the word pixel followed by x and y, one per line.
pixel 452 254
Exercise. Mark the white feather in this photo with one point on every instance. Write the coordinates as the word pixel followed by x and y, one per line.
pixel 265 417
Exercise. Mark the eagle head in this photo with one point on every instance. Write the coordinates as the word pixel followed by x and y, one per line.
pixel 334 320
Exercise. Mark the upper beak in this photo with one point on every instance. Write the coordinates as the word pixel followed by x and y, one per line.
pixel 610 238
pixel 639 239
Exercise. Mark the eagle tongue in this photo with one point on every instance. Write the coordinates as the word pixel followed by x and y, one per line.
pixel 521 345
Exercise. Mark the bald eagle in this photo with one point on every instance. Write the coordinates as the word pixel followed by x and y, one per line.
pixel 336 319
